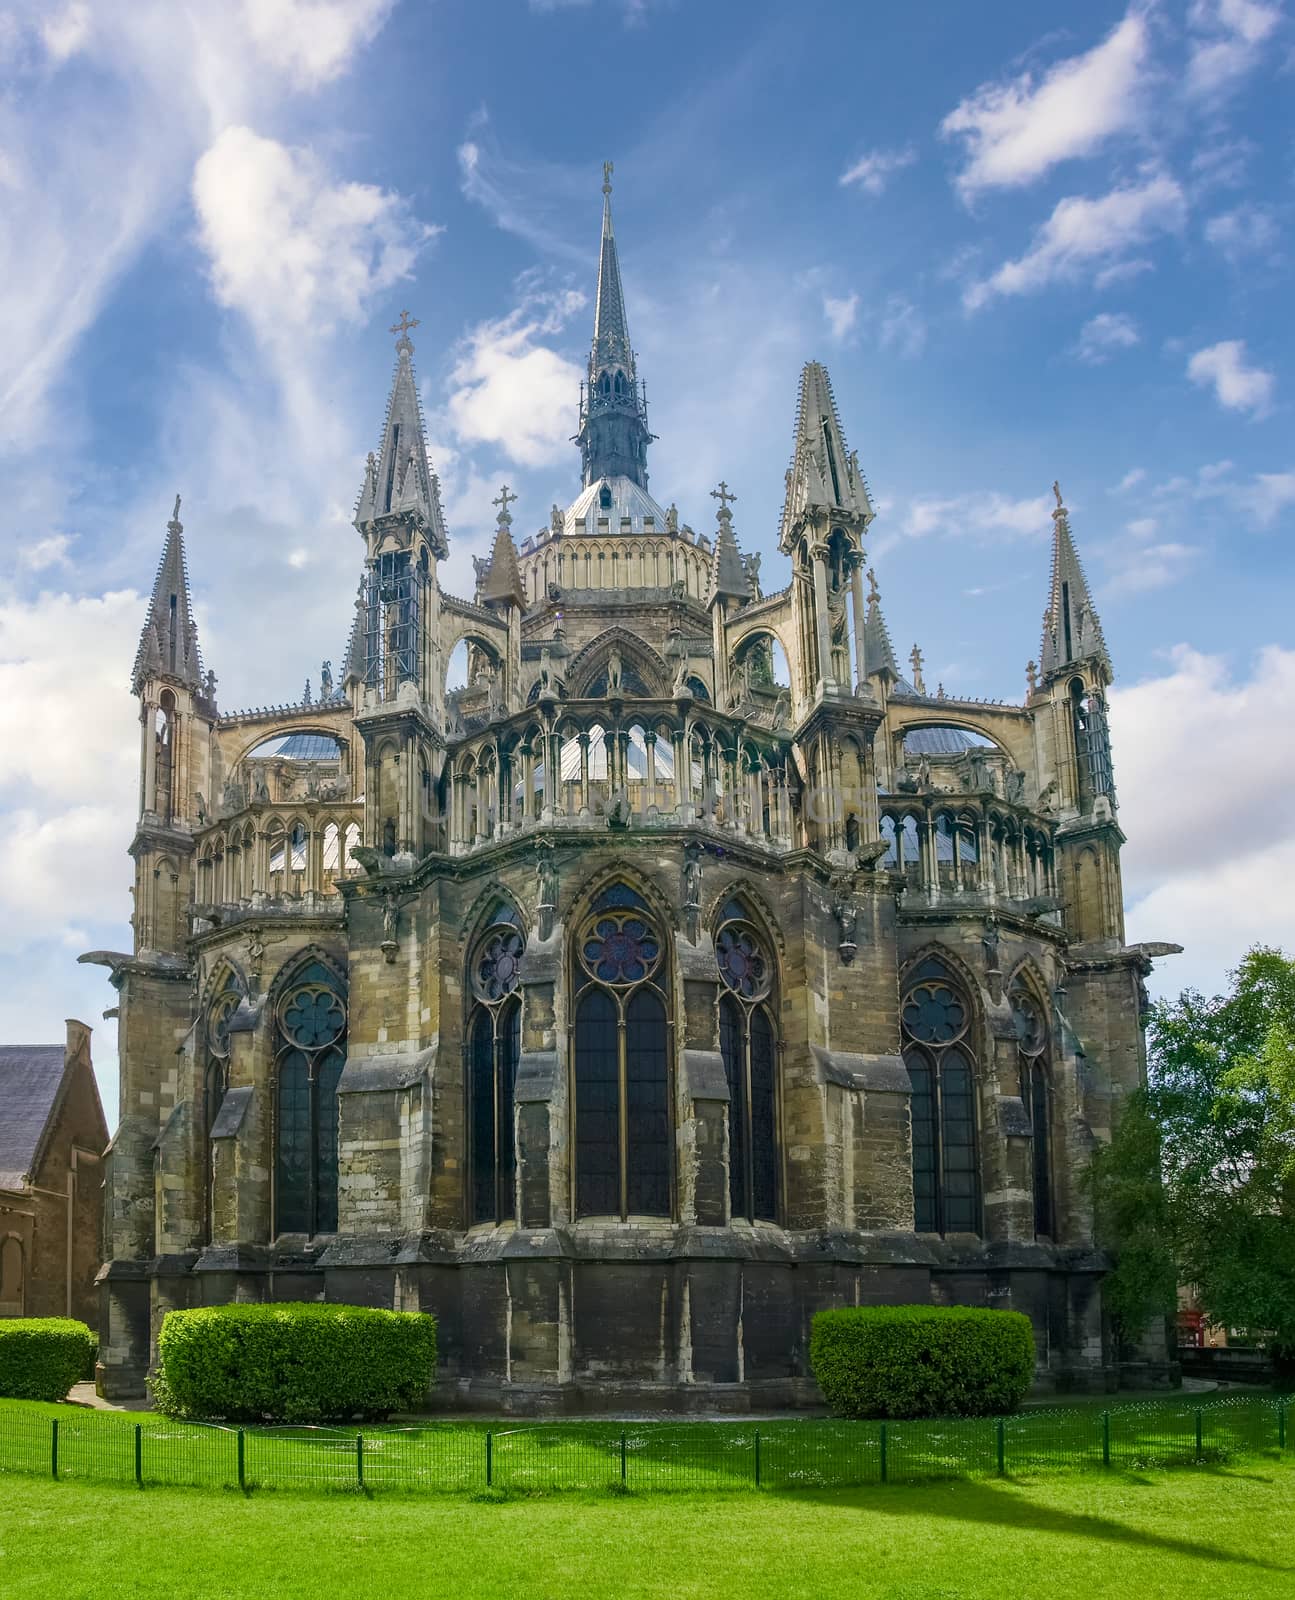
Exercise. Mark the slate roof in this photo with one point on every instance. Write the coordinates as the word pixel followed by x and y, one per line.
pixel 941 741
pixel 30 1076
pixel 308 747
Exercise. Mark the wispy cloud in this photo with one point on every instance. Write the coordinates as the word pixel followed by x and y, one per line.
pixel 841 314
pixel 1084 234
pixel 1228 43
pixel 1237 386
pixel 1104 335
pixel 985 514
pixel 1015 132
pixel 873 171
pixel 1244 232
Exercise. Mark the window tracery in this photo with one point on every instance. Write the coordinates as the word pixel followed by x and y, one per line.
pixel 621 1063
pixel 1036 1091
pixel 935 1016
pixel 748 1046
pixel 494 1051
pixel 311 1023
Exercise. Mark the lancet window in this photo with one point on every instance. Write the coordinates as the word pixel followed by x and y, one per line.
pixel 494 1050
pixel 1036 1092
pixel 936 1019
pixel 310 1020
pixel 621 1060
pixel 749 1046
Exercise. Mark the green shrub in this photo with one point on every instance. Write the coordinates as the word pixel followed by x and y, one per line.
pixel 921 1361
pixel 293 1363
pixel 42 1357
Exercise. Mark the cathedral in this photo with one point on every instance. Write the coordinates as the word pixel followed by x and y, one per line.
pixel 685 968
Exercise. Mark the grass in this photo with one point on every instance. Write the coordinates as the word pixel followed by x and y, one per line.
pixel 1204 1531
pixel 463 1457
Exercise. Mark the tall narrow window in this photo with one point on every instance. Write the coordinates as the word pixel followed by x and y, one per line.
pixel 494 1050
pixel 312 1052
pixel 621 1061
pixel 946 1177
pixel 1036 1092
pixel 748 1044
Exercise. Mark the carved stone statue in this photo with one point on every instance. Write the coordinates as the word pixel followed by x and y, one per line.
pixel 846 913
pixel 690 892
pixel 200 805
pixel 680 685
pixel 614 670
pixel 672 518
pixel 326 681
pixel 546 890
pixel 260 788
pixel 557 521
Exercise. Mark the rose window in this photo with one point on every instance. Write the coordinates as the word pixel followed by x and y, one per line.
pixel 314 1017
pixel 742 962
pixel 499 964
pixel 619 949
pixel 934 1013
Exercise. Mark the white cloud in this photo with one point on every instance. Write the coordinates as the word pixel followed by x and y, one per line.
pixel 1130 480
pixel 1247 230
pixel 1230 35
pixel 1237 387
pixel 978 514
pixel 1137 565
pixel 1211 850
pixel 50 551
pixel 873 171
pixel 313 40
pixel 1083 233
pixel 841 314
pixel 1013 133
pixel 511 390
pixel 289 247
pixel 67 32
pixel 1268 495
pixel 903 328
pixel 1101 336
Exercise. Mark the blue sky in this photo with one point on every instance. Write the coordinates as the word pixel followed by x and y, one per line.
pixel 1029 243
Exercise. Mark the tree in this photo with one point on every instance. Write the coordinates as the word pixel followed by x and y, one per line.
pixel 1220 1106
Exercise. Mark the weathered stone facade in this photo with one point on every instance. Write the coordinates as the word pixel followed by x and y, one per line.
pixel 686 970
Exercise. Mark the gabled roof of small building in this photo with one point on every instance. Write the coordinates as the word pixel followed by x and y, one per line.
pixel 30 1077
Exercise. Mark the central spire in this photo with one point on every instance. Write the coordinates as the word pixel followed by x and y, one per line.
pixel 613 435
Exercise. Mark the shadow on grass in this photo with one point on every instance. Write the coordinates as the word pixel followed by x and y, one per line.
pixel 977 1501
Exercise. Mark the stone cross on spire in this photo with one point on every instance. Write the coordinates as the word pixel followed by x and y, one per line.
pixel 725 496
pixel 404 342
pixel 502 500
pixel 1056 489
pixel 608 169
pixel 915 657
pixel 874 593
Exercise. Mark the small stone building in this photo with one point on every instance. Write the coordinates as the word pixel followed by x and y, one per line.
pixel 685 969
pixel 52 1140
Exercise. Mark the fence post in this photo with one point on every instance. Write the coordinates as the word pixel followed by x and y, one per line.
pixel 624 1457
pixel 883 1452
pixel 757 1458
pixel 1106 1438
pixel 359 1459
pixel 1281 1427
pixel 489 1462
pixel 242 1463
pixel 1000 1442
pixel 1198 1433
pixel 139 1456
pixel 53 1447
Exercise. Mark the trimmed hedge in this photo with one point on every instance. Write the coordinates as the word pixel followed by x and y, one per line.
pixel 293 1362
pixel 42 1357
pixel 922 1361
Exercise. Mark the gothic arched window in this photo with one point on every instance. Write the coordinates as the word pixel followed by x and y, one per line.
pixel 621 1066
pixel 494 1050
pixel 936 1019
pixel 749 1045
pixel 1036 1092
pixel 311 1023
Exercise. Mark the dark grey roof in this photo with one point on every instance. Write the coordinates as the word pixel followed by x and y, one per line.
pixel 941 741
pixel 308 747
pixel 30 1076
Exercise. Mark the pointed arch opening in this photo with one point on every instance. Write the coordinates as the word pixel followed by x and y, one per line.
pixel 494 1046
pixel 621 1059
pixel 749 1047
pixel 936 1018
pixel 1034 1066
pixel 310 1016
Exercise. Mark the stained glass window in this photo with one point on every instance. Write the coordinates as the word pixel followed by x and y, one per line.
pixel 1032 1060
pixel 946 1172
pixel 494 1051
pixel 621 1061
pixel 748 1046
pixel 312 1053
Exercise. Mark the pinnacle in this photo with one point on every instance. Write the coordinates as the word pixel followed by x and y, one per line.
pixel 168 645
pixel 1072 632
pixel 823 472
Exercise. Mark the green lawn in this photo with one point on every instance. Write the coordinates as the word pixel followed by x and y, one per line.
pixel 1203 1531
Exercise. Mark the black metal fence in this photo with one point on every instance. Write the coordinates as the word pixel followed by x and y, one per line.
pixel 638 1456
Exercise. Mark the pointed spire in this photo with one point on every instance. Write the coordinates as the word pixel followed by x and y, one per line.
pixel 613 435
pixel 823 472
pixel 1072 632
pixel 398 479
pixel 502 580
pixel 168 645
pixel 728 575
pixel 878 653
pixel 353 665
